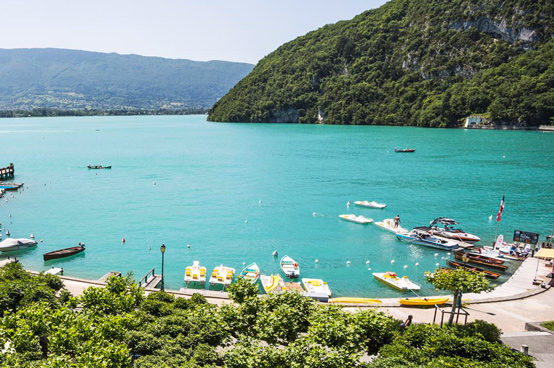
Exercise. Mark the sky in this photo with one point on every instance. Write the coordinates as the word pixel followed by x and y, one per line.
pixel 232 30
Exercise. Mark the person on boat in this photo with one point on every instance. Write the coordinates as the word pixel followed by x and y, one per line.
pixel 407 323
pixel 396 221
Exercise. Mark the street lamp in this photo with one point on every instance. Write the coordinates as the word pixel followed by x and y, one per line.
pixel 162 249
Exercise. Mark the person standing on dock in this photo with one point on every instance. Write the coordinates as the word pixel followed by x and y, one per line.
pixel 396 221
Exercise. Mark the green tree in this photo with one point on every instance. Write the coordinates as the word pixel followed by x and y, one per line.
pixel 458 281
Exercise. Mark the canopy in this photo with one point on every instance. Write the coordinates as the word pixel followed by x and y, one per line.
pixel 545 254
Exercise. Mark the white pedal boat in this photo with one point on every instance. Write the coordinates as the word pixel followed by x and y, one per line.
pixel 316 286
pixel 369 204
pixel 388 225
pixel 357 219
pixel 195 273
pixel 399 283
pixel 222 275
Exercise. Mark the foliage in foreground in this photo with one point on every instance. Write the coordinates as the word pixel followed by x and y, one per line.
pixel 106 327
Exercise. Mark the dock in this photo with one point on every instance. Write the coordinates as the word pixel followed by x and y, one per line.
pixel 105 278
pixel 7 172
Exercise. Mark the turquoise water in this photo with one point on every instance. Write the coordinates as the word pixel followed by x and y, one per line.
pixel 210 177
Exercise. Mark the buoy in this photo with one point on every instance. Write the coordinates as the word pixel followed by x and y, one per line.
pixel 369 269
pixel 417 264
pixel 391 262
pixel 316 260
pixel 442 258
pixel 366 262
pixel 449 254
pixel 275 254
pixel 405 266
pixel 436 254
pixel 32 236
pixel 436 264
pixel 260 201
pixel 490 218
pixel 41 240
pixel 348 262
pixel 188 245
pixel 348 204
pixel 10 215
pixel 7 232
pixel 149 249
pixel 123 240
pixel 154 183
pixel 245 221
pixel 314 213
pixel 243 263
pixel 504 156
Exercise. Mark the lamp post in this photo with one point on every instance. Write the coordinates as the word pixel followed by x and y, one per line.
pixel 162 249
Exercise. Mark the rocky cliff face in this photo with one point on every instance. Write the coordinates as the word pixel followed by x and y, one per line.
pixel 498 30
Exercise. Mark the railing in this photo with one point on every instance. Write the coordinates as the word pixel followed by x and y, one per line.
pixel 145 278
pixel 457 312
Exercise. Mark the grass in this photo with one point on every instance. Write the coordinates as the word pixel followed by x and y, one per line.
pixel 549 325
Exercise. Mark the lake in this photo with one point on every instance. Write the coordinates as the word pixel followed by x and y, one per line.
pixel 237 192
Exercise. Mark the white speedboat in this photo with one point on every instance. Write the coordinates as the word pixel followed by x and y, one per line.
pixel 222 275
pixel 357 219
pixel 424 238
pixel 449 231
pixel 272 283
pixel 250 273
pixel 388 225
pixel 369 204
pixel 316 287
pixel 195 273
pixel 15 244
pixel 399 283
pixel 290 267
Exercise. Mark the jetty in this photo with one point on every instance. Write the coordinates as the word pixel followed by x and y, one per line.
pixel 7 172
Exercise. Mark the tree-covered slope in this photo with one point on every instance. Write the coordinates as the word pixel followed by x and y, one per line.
pixel 409 62
pixel 71 79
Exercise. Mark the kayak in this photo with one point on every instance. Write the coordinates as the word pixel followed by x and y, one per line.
pixel 355 300
pixel 423 301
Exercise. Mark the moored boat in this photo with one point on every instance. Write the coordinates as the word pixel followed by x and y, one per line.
pixel 349 300
pixel 404 150
pixel 424 238
pixel 372 204
pixel 62 253
pixel 480 260
pixel 388 225
pixel 250 273
pixel 10 244
pixel 272 283
pixel 195 273
pixel 451 232
pixel 222 275
pixel 487 273
pixel 423 301
pixel 399 283
pixel 316 286
pixel 357 219
pixel 99 166
pixel 290 267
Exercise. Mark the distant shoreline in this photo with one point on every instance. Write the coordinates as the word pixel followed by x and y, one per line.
pixel 48 112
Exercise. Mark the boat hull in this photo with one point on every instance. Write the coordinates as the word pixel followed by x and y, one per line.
pixel 423 301
pixel 409 239
pixel 63 253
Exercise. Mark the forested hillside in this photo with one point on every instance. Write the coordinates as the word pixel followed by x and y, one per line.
pixel 73 80
pixel 409 62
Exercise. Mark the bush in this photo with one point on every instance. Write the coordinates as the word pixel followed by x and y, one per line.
pixel 488 331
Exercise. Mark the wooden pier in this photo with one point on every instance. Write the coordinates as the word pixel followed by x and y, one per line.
pixel 7 172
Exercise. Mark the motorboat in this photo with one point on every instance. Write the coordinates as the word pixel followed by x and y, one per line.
pixel 250 273
pixel 272 283
pixel 353 300
pixel 62 253
pixel 10 244
pixel 99 166
pixel 357 219
pixel 316 286
pixel 195 273
pixel 388 225
pixel 369 204
pixel 404 150
pixel 480 260
pixel 399 283
pixel 424 238
pixel 449 231
pixel 492 253
pixel 222 275
pixel 290 267
pixel 504 252
pixel 423 301
pixel 487 273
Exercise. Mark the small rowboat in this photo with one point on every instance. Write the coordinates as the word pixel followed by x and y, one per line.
pixel 371 204
pixel 99 166
pixel 405 150
pixel 399 283
pixel 290 267
pixel 357 219
pixel 250 273
pixel 355 300
pixel 62 253
pixel 480 261
pixel 423 301
pixel 487 273
pixel 272 283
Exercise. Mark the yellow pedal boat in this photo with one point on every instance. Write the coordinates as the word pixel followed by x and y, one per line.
pixel 423 301
pixel 355 300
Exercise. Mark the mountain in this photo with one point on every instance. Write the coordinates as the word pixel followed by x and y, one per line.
pixel 72 79
pixel 409 62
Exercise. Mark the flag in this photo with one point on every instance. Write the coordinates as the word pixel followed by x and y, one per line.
pixel 499 215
